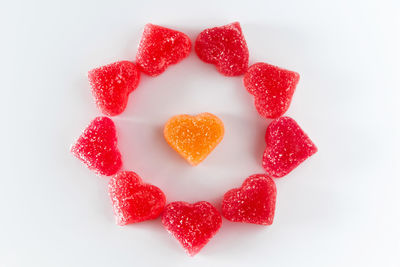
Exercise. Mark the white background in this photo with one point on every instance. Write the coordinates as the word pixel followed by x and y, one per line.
pixel 339 208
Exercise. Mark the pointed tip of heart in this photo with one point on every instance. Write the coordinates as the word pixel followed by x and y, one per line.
pixel 194 137
pixel 235 24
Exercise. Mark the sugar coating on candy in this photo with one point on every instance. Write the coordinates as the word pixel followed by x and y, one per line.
pixel 97 147
pixel 133 200
pixel 272 87
pixel 287 146
pixel 161 47
pixel 225 47
pixel 193 225
pixel 253 202
pixel 194 137
pixel 112 84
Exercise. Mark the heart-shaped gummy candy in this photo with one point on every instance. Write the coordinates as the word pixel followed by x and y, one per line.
pixel 97 147
pixel 272 88
pixel 193 225
pixel 112 84
pixel 287 146
pixel 134 201
pixel 253 202
pixel 194 137
pixel 225 47
pixel 161 47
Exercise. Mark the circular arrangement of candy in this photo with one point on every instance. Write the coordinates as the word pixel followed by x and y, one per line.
pixel 194 137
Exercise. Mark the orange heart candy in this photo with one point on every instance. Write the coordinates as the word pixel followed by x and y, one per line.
pixel 194 137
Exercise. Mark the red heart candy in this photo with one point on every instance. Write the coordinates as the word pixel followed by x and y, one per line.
pixel 134 201
pixel 112 84
pixel 161 47
pixel 272 88
pixel 287 146
pixel 97 147
pixel 192 224
pixel 225 47
pixel 253 202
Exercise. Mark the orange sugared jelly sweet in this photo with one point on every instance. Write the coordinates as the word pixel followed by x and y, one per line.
pixel 194 137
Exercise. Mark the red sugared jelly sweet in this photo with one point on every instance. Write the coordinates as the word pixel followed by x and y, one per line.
pixel 161 47
pixel 97 147
pixel 254 202
pixel 272 88
pixel 112 84
pixel 134 201
pixel 192 224
pixel 225 47
pixel 287 146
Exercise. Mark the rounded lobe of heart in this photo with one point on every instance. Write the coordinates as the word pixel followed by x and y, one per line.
pixel 272 87
pixel 225 47
pixel 194 137
pixel 134 201
pixel 287 147
pixel 253 202
pixel 161 47
pixel 97 147
pixel 193 225
pixel 111 85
